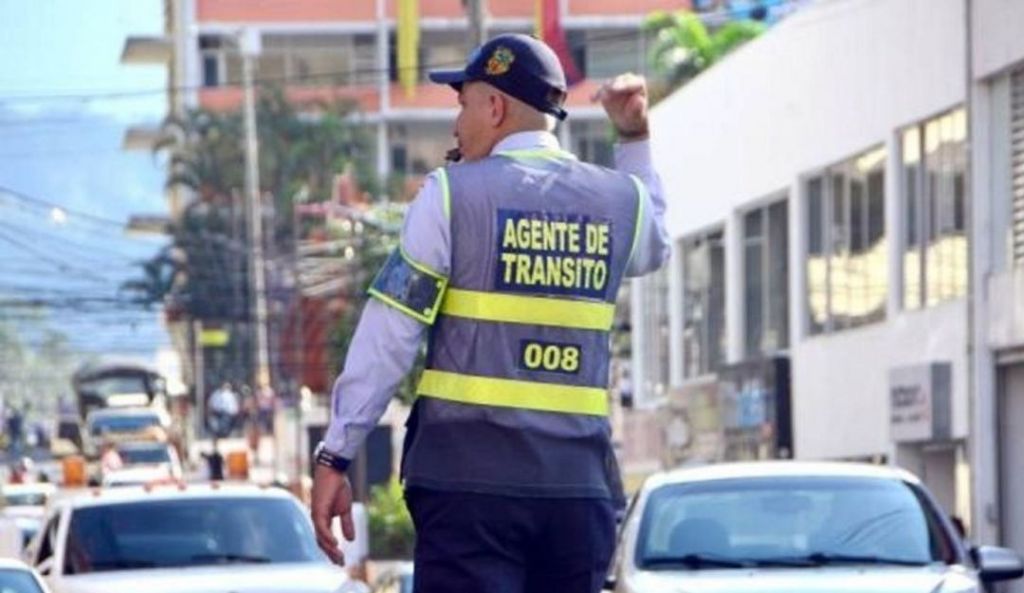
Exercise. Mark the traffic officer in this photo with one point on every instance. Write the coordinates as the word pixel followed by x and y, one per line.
pixel 511 261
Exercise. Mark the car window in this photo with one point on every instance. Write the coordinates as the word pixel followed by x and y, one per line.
pixel 142 455
pixel 115 424
pixel 188 532
pixel 32 499
pixel 45 550
pixel 18 581
pixel 760 518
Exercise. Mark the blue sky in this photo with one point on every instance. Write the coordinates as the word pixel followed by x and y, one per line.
pixel 60 142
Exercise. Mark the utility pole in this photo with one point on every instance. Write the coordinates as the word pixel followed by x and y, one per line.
pixel 476 11
pixel 197 377
pixel 249 43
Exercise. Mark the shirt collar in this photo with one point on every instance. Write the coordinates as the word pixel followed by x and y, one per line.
pixel 526 140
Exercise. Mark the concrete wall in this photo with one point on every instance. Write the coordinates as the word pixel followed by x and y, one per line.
pixel 831 81
pixel 998 37
pixel 841 382
pixel 840 77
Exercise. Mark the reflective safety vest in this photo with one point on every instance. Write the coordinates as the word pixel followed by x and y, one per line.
pixel 514 396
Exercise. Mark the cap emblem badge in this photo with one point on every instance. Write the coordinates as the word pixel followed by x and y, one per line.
pixel 500 61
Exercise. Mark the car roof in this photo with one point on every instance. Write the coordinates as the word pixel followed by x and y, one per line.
pixel 97 497
pixel 30 488
pixel 769 469
pixel 13 564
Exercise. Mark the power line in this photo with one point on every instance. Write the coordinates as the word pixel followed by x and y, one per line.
pixel 48 204
pixel 63 266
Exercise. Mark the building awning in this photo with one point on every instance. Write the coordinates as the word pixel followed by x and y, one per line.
pixel 147 50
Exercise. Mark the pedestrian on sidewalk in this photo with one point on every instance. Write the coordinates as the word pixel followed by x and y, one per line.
pixel 511 260
pixel 224 410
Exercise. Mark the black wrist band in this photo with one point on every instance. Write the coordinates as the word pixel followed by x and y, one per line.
pixel 321 456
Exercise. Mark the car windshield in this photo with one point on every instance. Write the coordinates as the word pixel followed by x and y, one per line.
pixel 145 455
pixel 188 532
pixel 122 424
pixel 806 521
pixel 18 581
pixel 25 499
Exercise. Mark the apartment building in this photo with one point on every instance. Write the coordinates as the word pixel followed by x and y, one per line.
pixel 334 49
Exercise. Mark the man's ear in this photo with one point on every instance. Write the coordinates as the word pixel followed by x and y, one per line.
pixel 499 108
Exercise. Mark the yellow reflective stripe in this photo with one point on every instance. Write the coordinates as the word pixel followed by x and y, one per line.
pixel 538 153
pixel 641 198
pixel 508 308
pixel 509 393
pixel 442 178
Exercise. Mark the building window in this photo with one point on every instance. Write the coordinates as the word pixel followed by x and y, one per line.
pixel 934 219
pixel 847 274
pixel 766 279
pixel 418 148
pixel 315 59
pixel 592 142
pixel 214 51
pixel 654 347
pixel 1017 165
pixel 703 303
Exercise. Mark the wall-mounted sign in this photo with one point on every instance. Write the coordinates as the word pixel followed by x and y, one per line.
pixel 919 402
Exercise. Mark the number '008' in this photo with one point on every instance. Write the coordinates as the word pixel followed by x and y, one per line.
pixel 552 357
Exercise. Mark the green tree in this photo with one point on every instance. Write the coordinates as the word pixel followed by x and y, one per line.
pixel 684 47
pixel 204 273
pixel 392 535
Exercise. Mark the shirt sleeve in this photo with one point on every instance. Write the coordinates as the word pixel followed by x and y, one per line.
pixel 653 246
pixel 386 341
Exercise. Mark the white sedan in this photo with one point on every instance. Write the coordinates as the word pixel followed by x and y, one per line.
pixel 176 539
pixel 17 577
pixel 791 527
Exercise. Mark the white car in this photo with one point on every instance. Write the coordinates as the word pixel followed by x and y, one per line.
pixel 793 527
pixel 121 424
pixel 18 577
pixel 173 539
pixel 145 462
pixel 25 504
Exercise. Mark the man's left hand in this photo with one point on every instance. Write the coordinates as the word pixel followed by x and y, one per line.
pixel 624 99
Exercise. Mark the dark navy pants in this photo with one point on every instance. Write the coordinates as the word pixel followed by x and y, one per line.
pixel 483 543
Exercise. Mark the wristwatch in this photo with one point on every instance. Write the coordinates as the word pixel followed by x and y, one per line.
pixel 321 456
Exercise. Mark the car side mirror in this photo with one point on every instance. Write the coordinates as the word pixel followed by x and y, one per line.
pixel 997 564
pixel 45 567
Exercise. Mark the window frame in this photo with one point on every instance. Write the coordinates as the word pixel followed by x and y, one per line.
pixel 926 211
pixel 832 245
pixel 707 365
pixel 764 207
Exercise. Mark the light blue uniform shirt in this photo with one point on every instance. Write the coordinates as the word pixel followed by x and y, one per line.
pixel 384 346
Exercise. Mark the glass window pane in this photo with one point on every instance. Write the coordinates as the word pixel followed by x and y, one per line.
pixel 753 273
pixel 817 264
pixel 716 303
pixel 777 331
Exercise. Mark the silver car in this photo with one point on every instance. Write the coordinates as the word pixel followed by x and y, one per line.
pixel 797 527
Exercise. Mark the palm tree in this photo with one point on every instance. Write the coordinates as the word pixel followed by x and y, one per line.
pixel 684 47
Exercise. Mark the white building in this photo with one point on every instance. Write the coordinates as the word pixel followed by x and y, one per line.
pixel 821 200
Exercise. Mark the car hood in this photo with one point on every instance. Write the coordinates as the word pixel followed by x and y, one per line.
pixel 926 579
pixel 233 578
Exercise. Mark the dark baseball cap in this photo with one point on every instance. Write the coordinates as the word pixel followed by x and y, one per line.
pixel 519 65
